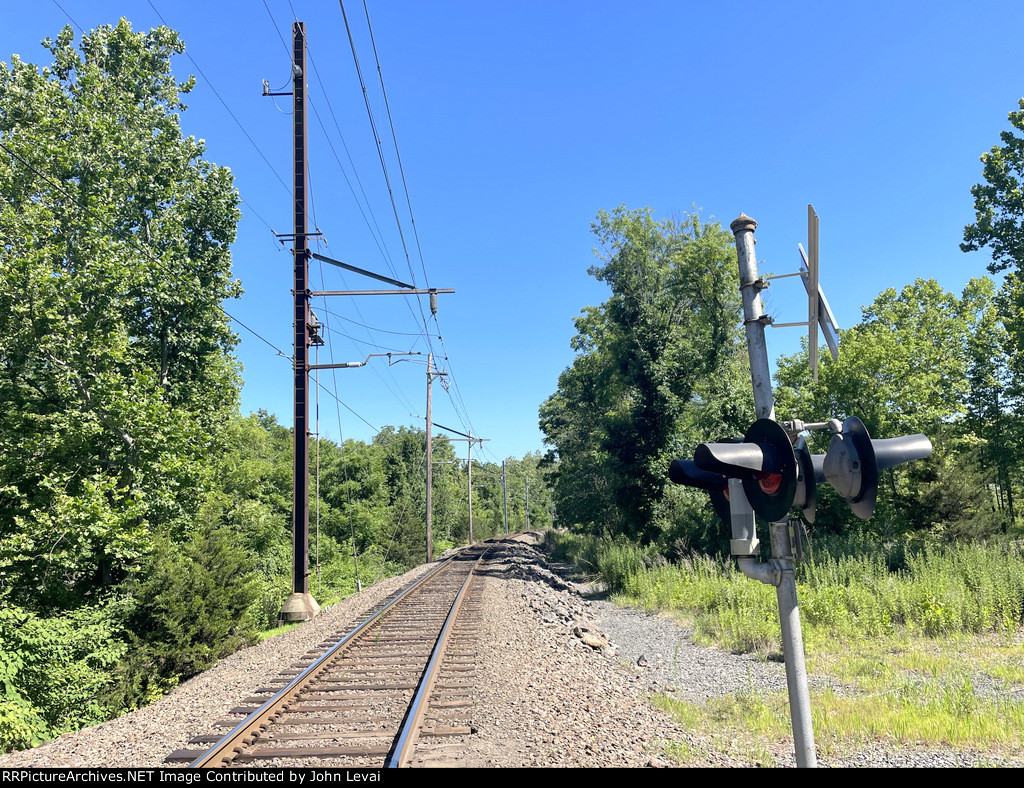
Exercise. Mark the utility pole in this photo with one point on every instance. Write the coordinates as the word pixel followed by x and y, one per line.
pixel 504 495
pixel 470 440
pixel 430 457
pixel 315 339
pixel 469 472
pixel 527 504
pixel 469 460
pixel 300 605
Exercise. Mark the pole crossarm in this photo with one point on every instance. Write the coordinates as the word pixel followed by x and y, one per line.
pixel 413 291
pixel 362 271
pixel 790 325
pixel 354 364
pixel 464 435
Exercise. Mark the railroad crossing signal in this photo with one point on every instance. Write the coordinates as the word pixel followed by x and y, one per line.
pixel 778 475
pixel 853 461
pixel 686 472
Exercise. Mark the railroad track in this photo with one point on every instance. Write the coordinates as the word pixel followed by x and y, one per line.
pixel 399 682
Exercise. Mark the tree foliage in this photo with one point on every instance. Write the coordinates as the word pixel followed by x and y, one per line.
pixel 921 361
pixel 999 226
pixel 644 359
pixel 115 373
pixel 999 202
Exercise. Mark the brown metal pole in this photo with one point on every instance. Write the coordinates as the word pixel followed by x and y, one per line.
pixel 469 467
pixel 430 463
pixel 300 605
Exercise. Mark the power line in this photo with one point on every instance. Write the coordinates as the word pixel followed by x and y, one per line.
pixel 398 156
pixel 377 236
pixel 380 151
pixel 398 396
pixel 69 16
pixel 374 328
pixel 224 103
pixel 465 421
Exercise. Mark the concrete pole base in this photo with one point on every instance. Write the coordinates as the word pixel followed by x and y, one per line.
pixel 298 607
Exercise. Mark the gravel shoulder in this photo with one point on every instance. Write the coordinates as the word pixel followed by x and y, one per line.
pixel 565 682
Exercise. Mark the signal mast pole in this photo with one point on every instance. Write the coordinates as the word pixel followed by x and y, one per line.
pixel 782 549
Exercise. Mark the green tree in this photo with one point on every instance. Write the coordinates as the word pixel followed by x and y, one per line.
pixel 115 371
pixel 999 226
pixel 921 361
pixel 670 323
pixel 999 202
pixel 403 534
pixel 193 606
pixel 902 370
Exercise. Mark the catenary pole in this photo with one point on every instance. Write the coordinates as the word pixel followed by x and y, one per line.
pixel 469 469
pixel 504 496
pixel 430 462
pixel 527 510
pixel 300 605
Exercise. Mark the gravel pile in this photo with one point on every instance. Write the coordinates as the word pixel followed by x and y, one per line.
pixel 564 681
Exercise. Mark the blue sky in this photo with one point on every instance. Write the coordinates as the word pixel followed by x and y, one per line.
pixel 518 122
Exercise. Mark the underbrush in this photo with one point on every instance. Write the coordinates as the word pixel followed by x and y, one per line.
pixel 188 607
pixel 923 642
pixel 844 592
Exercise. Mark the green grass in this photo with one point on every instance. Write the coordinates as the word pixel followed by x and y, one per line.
pixel 923 644
pixel 269 633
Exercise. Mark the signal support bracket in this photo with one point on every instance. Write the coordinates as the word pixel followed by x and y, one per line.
pixel 796 426
pixel 744 542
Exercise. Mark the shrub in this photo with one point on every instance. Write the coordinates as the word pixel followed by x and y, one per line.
pixel 54 672
pixel 194 606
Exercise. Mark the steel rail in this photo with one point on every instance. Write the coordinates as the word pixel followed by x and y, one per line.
pixel 417 709
pixel 231 744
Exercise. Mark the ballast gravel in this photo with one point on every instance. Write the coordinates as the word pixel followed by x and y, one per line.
pixel 564 681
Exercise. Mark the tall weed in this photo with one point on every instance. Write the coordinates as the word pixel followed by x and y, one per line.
pixel 846 586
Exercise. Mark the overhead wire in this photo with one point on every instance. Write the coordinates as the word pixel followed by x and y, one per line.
pixel 373 328
pixel 327 327
pixel 380 150
pixel 375 231
pixel 412 219
pixel 226 107
pixel 462 413
pixel 379 241
pixel 378 236
pixel 398 156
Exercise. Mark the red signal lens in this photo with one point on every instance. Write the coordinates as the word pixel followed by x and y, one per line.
pixel 769 482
